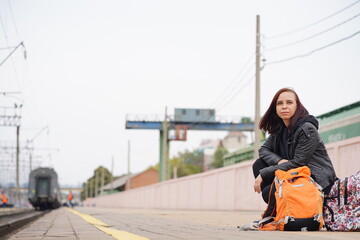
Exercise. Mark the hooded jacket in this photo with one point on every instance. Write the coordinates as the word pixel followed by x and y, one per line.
pixel 304 148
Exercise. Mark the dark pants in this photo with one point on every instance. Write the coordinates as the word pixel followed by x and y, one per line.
pixel 266 184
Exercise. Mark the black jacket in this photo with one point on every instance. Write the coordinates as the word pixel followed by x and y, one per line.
pixel 304 148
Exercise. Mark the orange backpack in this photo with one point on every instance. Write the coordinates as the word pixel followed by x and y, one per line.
pixel 299 202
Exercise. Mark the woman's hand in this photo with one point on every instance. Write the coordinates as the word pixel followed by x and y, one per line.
pixel 282 161
pixel 257 184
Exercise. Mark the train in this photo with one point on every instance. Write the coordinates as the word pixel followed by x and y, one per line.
pixel 44 191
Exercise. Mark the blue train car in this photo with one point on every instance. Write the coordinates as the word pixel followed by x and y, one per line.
pixel 44 191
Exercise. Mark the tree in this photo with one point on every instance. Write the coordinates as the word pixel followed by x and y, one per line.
pixel 182 168
pixel 219 157
pixel 192 158
pixel 186 163
pixel 90 183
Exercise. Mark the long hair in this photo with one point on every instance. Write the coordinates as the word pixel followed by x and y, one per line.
pixel 272 123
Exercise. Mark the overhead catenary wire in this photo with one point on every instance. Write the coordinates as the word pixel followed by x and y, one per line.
pixel 13 19
pixel 225 97
pixel 235 80
pixel 7 48
pixel 12 49
pixel 314 35
pixel 230 97
pixel 231 90
pixel 314 23
pixel 3 27
pixel 314 50
pixel 237 92
pixel 221 104
pixel 23 97
pixel 8 45
pixel 219 107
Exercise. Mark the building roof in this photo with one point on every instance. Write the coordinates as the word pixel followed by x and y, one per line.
pixel 117 182
pixel 121 181
pixel 340 113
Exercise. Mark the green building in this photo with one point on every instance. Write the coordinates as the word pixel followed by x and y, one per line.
pixel 340 124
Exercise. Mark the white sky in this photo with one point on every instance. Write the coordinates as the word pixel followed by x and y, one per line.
pixel 89 63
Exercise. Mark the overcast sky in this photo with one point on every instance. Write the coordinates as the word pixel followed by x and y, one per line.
pixel 89 63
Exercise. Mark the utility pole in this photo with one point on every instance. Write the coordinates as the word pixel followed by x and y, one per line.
pixel 13 120
pixel 112 172
pixel 30 160
pixel 175 173
pixel 86 191
pixel 17 164
pixel 102 180
pixel 128 163
pixel 257 91
pixel 164 148
pixel 96 183
pixel 91 190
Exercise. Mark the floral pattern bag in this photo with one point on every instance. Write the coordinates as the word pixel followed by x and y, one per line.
pixel 342 205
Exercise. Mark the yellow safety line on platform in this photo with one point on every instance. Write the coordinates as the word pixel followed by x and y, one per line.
pixel 117 234
pixel 89 218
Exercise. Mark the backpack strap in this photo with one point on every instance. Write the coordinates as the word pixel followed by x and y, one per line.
pixel 331 212
pixel 338 196
pixel 316 184
pixel 346 192
pixel 271 207
pixel 266 220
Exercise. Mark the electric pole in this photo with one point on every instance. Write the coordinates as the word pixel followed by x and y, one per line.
pixel 30 161
pixel 164 148
pixel 257 91
pixel 17 163
pixel 28 142
pixel 96 183
pixel 102 180
pixel 129 178
pixel 86 191
pixel 90 191
pixel 13 120
pixel 112 172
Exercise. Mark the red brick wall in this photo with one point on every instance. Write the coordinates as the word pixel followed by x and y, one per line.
pixel 145 178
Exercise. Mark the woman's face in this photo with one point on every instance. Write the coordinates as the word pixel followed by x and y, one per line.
pixel 286 106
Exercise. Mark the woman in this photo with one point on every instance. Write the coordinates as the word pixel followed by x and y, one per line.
pixel 293 142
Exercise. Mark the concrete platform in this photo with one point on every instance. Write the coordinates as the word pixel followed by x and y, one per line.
pixel 144 224
pixel 60 224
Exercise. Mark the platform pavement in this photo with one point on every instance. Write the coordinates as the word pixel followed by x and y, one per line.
pixel 60 224
pixel 79 224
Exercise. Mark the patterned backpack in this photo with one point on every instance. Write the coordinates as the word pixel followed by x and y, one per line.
pixel 299 202
pixel 342 205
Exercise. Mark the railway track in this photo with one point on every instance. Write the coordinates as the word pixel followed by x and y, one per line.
pixel 12 220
